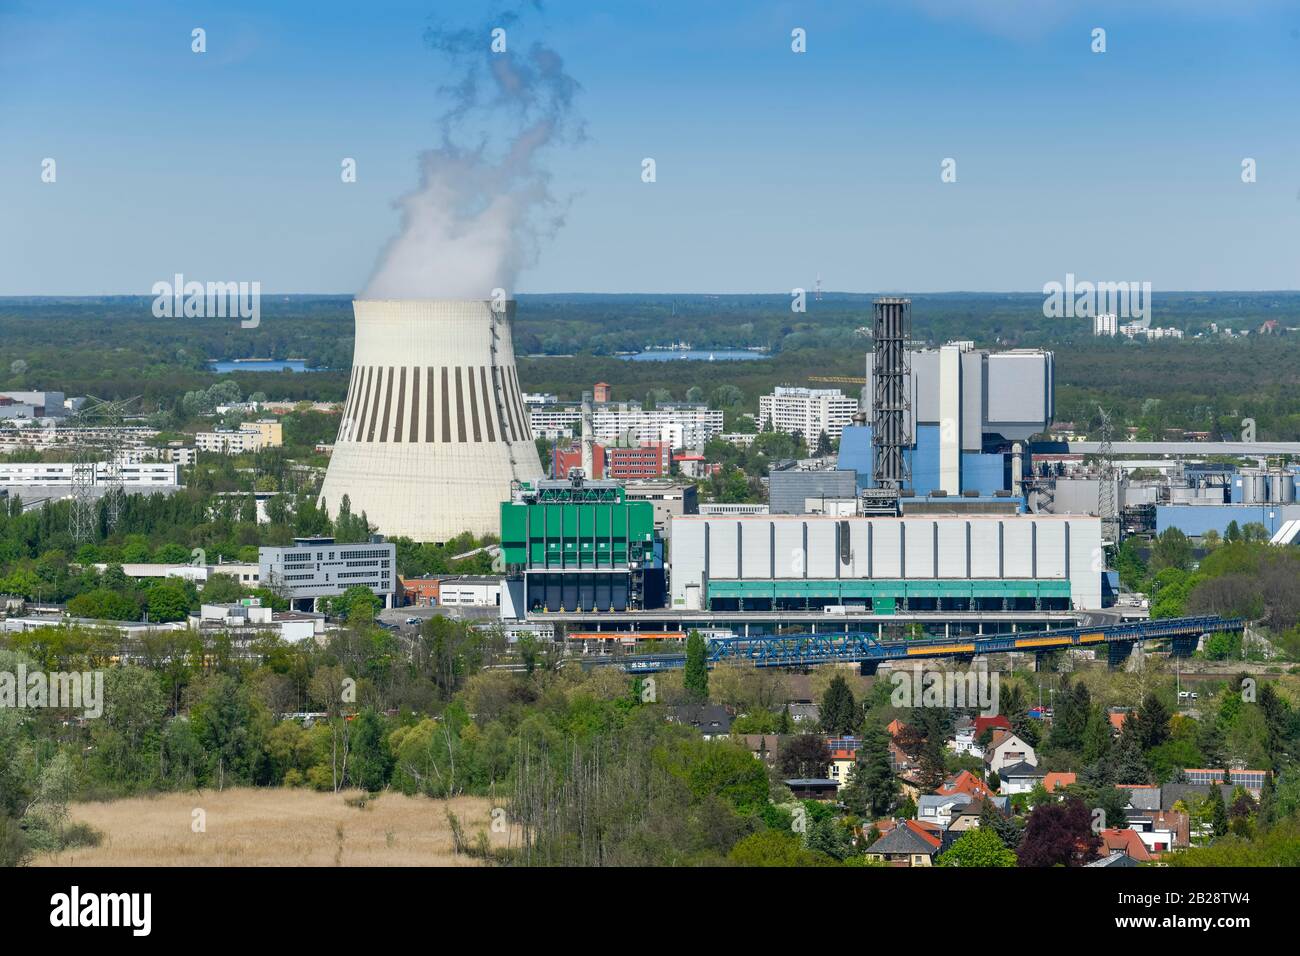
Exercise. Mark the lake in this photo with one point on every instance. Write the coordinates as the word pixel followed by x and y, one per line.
pixel 260 365
pixel 698 355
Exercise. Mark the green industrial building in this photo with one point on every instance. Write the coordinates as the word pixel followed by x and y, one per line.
pixel 580 545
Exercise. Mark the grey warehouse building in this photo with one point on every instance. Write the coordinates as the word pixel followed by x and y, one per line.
pixel 789 489
pixel 318 567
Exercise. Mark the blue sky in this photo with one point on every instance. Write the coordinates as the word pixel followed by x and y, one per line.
pixel 772 166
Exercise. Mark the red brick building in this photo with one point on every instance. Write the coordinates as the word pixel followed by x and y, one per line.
pixel 422 592
pixel 648 460
pixel 564 459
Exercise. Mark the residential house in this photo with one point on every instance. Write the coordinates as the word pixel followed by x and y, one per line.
pixel 711 720
pixel 899 761
pixel 1019 778
pixel 963 740
pixel 1162 830
pixel 1127 842
pixel 844 754
pixel 1173 793
pixel 1251 780
pixel 908 843
pixel 1007 749
pixel 812 788
pixel 1116 716
pixel 968 817
pixel 965 782
pixel 1141 797
pixel 805 712
pixel 1057 780
pixel 982 724
pixel 938 808
pixel 764 747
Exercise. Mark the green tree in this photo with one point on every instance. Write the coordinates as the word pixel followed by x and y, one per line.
pixel 978 848
pixel 1150 722
pixel 369 762
pixel 357 605
pixel 839 709
pixel 696 678
pixel 872 789
pixel 168 600
pixel 774 848
pixel 229 725
pixel 1218 812
pixel 127 739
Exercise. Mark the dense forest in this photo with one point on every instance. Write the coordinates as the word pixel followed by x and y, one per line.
pixel 114 348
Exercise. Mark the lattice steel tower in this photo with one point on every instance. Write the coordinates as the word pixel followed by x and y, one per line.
pixel 98 436
pixel 891 404
pixel 1106 504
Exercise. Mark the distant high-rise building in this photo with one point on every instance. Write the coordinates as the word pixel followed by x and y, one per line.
pixel 601 392
pixel 1105 324
pixel 809 411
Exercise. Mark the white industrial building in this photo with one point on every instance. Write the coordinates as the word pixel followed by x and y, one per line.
pixel 248 618
pixel 29 404
pixel 469 591
pixel 941 562
pixel 135 475
pixel 434 429
pixel 319 567
pixel 809 411
pixel 244 572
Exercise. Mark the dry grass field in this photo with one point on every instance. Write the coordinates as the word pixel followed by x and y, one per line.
pixel 277 827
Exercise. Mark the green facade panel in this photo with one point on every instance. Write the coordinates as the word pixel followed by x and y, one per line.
pixel 584 535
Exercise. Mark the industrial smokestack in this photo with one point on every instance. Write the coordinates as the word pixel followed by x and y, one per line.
pixel 587 450
pixel 434 427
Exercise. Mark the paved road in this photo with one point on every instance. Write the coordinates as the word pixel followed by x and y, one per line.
pixel 399 615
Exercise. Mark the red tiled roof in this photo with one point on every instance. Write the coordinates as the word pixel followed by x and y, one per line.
pixel 1116 720
pixel 926 831
pixel 984 723
pixel 1124 841
pixel 1056 779
pixel 964 782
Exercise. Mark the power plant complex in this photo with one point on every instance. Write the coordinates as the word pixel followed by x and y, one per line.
pixel 434 428
pixel 947 509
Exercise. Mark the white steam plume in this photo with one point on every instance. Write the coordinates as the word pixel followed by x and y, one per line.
pixel 480 211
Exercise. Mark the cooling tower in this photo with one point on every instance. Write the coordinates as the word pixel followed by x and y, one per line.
pixel 434 427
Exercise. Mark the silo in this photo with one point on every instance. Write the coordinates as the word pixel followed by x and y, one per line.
pixel 1281 486
pixel 434 427
pixel 1254 486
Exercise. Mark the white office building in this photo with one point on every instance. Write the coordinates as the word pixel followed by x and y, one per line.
pixel 318 567
pixel 681 424
pixel 809 411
